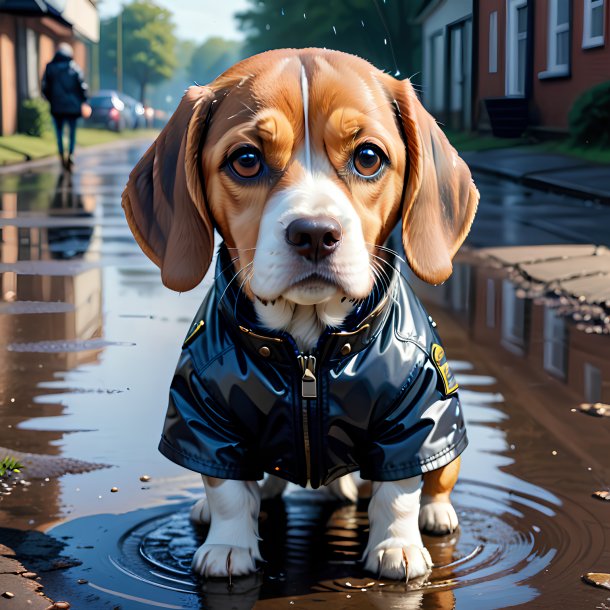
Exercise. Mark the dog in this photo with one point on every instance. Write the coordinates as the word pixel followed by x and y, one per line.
pixel 311 357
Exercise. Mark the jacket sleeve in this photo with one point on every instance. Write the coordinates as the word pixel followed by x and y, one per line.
pixel 201 434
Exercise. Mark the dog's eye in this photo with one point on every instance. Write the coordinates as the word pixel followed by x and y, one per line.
pixel 246 162
pixel 368 160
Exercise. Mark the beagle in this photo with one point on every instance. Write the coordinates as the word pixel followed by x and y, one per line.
pixel 310 358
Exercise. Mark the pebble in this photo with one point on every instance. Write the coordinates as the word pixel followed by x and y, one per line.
pixel 30 575
pixel 597 579
pixel 8 595
pixel 114 489
pixel 145 478
pixel 82 581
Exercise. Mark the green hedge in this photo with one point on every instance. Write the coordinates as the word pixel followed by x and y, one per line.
pixel 589 118
pixel 34 117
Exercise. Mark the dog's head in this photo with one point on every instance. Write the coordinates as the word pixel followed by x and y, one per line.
pixel 304 161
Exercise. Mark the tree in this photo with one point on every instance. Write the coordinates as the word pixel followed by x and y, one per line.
pixel 212 58
pixel 381 31
pixel 149 44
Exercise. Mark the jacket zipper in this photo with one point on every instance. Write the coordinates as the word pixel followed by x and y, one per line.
pixel 309 391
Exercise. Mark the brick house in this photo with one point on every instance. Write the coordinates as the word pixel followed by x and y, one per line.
pixel 30 31
pixel 535 57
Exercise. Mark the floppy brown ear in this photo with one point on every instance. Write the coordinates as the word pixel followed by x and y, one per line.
pixel 440 198
pixel 164 201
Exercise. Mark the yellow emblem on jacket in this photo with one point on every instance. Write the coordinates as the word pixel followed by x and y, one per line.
pixel 442 366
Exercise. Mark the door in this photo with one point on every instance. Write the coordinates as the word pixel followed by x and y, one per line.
pixel 459 74
pixel 516 47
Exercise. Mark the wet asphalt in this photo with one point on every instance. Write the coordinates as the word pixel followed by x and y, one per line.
pixel 88 343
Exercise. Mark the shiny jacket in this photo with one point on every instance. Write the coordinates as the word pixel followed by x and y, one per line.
pixel 376 396
pixel 63 85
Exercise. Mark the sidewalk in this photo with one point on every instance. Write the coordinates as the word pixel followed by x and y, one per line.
pixel 548 171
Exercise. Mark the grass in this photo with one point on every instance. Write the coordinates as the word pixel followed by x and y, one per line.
pixel 593 154
pixel 469 141
pixel 20 147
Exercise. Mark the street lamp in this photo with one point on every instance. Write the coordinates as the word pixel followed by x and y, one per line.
pixel 119 50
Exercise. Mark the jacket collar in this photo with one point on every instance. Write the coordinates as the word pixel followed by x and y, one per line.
pixel 358 332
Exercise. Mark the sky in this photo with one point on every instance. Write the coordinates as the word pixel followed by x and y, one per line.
pixel 195 19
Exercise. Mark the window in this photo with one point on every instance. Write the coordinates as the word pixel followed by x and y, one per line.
pixel 593 28
pixel 555 357
pixel 490 298
pixel 516 47
pixel 437 63
pixel 593 383
pixel 513 319
pixel 558 48
pixel 33 75
pixel 493 41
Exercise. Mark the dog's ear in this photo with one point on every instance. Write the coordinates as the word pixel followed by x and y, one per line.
pixel 164 201
pixel 440 198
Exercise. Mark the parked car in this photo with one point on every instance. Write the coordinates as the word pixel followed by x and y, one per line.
pixel 109 110
pixel 135 110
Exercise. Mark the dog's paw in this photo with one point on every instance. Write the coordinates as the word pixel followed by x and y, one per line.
pixel 200 512
pixel 404 563
pixel 437 518
pixel 222 560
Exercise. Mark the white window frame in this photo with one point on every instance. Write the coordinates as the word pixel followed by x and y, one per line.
pixel 512 57
pixel 555 356
pixel 513 319
pixel 588 41
pixel 553 69
pixel 493 42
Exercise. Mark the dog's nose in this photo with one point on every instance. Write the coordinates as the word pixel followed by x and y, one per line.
pixel 314 238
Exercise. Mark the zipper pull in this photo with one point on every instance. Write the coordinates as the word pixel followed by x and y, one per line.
pixel 308 381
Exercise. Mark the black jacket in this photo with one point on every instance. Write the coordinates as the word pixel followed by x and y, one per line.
pixel 63 85
pixel 376 396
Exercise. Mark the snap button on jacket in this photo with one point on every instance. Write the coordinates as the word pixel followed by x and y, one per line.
pixel 245 401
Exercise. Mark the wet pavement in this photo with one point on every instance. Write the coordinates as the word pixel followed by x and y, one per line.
pixel 89 342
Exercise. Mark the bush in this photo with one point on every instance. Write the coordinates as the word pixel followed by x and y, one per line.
pixel 589 118
pixel 34 117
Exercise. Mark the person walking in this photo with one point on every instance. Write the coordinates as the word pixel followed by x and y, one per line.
pixel 65 88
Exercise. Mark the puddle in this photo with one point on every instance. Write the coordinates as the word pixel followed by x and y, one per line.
pixel 88 343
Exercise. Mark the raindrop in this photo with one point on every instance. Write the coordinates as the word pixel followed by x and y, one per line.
pixel 385 41
pixel 267 27
pixel 304 16
pixel 362 22
pixel 335 30
pixel 283 12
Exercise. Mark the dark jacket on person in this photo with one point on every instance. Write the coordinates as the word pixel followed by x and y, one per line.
pixel 376 395
pixel 63 85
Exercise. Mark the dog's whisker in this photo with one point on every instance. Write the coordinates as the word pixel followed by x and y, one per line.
pixel 389 250
pixel 219 274
pixel 384 275
pixel 232 280
pixel 248 278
